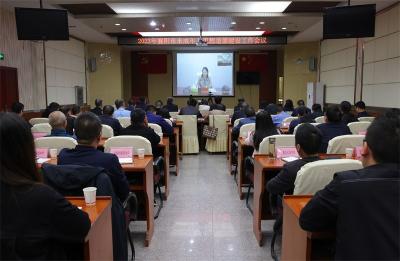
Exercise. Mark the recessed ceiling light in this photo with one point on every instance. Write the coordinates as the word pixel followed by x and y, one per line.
pixel 157 29
pixel 196 33
pixel 258 28
pixel 188 23
pixel 190 28
pixel 233 22
pixel 117 24
pixel 284 28
pixel 262 22
pixel 152 23
pixel 123 29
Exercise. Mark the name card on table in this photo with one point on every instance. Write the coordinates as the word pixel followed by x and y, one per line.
pixel 42 153
pixel 39 134
pixel 362 133
pixel 357 152
pixel 124 154
pixel 284 152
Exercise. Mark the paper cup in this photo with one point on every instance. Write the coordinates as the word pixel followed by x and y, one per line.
pixel 53 153
pixel 349 153
pixel 140 153
pixel 90 195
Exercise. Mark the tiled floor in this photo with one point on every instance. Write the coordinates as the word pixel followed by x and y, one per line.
pixel 203 218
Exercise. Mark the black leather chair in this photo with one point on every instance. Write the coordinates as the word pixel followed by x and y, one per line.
pixel 158 173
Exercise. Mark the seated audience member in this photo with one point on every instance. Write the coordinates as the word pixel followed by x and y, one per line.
pixel 217 104
pixel 75 110
pixel 263 105
pixel 238 107
pixel 288 106
pixel 141 103
pixel 58 123
pixel 316 111
pixel 264 128
pixel 163 112
pixel 333 127
pixel 190 109
pixel 239 113
pixel 131 105
pixel 250 118
pixel 170 106
pixel 203 106
pixel 347 116
pixel 120 112
pixel 304 117
pixel 158 104
pixel 308 140
pixel 88 133
pixel 360 109
pixel 363 211
pixel 107 119
pixel 52 107
pixel 139 127
pixel 17 108
pixel 37 223
pixel 153 118
pixel 300 103
pixel 277 113
pixel 97 109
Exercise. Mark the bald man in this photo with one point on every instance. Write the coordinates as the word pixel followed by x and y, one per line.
pixel 58 123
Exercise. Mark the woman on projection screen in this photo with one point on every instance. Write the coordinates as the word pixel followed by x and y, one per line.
pixel 204 82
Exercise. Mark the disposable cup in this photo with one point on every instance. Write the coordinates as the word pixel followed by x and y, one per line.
pixel 90 195
pixel 53 153
pixel 140 153
pixel 349 153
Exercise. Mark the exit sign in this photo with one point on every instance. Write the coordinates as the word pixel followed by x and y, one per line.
pixel 1 56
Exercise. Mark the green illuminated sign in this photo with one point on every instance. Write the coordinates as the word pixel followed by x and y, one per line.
pixel 1 56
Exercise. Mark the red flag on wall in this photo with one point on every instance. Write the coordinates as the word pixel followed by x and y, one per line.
pixel 253 62
pixel 153 63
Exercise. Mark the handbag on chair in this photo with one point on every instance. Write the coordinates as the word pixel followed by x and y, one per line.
pixel 210 132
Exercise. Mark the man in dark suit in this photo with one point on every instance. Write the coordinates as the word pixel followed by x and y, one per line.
pixel 363 205
pixel 190 109
pixel 156 119
pixel 300 103
pixel 250 118
pixel 97 110
pixel 139 127
pixel 316 111
pixel 58 123
pixel 308 140
pixel 170 106
pixel 217 105
pixel 304 117
pixel 88 133
pixel 333 127
pixel 239 106
pixel 360 109
pixel 239 113
pixel 107 119
pixel 141 104
pixel 347 116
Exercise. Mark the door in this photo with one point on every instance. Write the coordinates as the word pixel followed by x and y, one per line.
pixel 8 87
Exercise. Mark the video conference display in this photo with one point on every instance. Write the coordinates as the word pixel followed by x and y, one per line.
pixel 202 74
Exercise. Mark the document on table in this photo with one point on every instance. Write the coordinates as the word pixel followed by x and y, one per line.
pixel 125 160
pixel 42 160
pixel 289 159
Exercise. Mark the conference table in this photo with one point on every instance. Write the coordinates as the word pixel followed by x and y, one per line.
pixel 298 244
pixel 141 169
pixel 98 242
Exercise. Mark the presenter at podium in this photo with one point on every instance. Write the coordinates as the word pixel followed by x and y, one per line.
pixel 204 82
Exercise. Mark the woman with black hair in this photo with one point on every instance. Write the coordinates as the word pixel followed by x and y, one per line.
pixel 288 105
pixel 37 223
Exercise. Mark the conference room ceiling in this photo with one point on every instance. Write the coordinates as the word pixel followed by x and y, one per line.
pixel 95 21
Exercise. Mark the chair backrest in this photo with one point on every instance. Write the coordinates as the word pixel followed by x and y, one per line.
pixel 204 113
pixel 106 131
pixel 320 119
pixel 131 141
pixel 219 121
pixel 288 120
pixel 314 176
pixel 298 125
pixel 41 127
pixel 339 144
pixel 236 122
pixel 157 128
pixel 124 121
pixel 280 141
pixel 244 129
pixel 357 127
pixel 58 143
pixel 203 107
pixel 168 121
pixel 217 112
pixel 229 112
pixel 369 119
pixel 173 114
pixel 189 127
pixel 34 121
